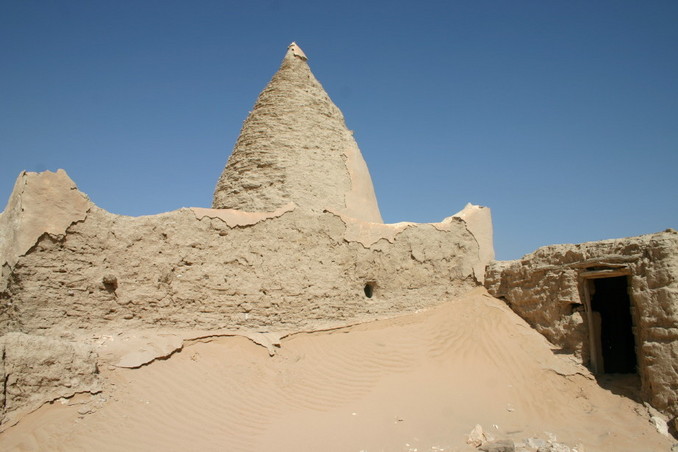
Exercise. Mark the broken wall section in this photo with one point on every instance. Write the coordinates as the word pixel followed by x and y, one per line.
pixel 288 269
pixel 547 289
pixel 35 370
pixel 40 203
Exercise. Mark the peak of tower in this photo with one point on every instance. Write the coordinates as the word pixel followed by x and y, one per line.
pixel 293 50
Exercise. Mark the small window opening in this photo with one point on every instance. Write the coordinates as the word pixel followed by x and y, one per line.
pixel 369 289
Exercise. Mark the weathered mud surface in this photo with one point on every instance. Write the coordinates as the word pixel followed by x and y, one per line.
pixel 546 288
pixel 35 370
pixel 295 147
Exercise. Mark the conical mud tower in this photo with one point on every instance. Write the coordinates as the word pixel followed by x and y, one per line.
pixel 295 243
pixel 295 147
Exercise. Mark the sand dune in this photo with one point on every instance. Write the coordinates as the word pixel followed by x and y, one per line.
pixel 418 382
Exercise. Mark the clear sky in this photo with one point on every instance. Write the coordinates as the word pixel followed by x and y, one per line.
pixel 562 116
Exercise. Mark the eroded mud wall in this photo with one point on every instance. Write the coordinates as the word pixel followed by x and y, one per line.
pixel 546 289
pixel 287 272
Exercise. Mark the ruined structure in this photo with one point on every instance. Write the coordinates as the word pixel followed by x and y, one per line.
pixel 614 303
pixel 295 241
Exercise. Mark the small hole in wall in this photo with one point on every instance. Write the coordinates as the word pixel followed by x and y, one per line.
pixel 369 289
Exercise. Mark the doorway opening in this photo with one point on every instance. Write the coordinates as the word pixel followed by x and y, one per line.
pixel 613 345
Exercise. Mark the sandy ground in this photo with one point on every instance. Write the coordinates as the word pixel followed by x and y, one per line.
pixel 419 382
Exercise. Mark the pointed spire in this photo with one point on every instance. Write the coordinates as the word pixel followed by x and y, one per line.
pixel 293 50
pixel 295 147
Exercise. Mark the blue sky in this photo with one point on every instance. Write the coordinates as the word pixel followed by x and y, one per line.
pixel 562 116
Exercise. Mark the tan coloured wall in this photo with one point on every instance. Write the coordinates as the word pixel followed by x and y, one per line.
pixel 546 288
pixel 36 369
pixel 203 268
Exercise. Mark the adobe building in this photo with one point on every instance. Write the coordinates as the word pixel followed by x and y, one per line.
pixel 294 241
pixel 295 238
pixel 613 303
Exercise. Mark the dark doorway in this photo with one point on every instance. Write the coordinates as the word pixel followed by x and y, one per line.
pixel 611 301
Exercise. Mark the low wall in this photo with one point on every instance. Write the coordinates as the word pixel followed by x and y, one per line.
pixel 207 268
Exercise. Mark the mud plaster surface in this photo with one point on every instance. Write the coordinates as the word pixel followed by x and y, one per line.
pixel 544 286
pixel 295 147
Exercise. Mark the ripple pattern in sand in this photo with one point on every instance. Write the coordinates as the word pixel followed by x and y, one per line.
pixel 228 394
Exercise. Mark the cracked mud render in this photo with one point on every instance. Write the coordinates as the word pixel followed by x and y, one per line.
pixel 290 303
